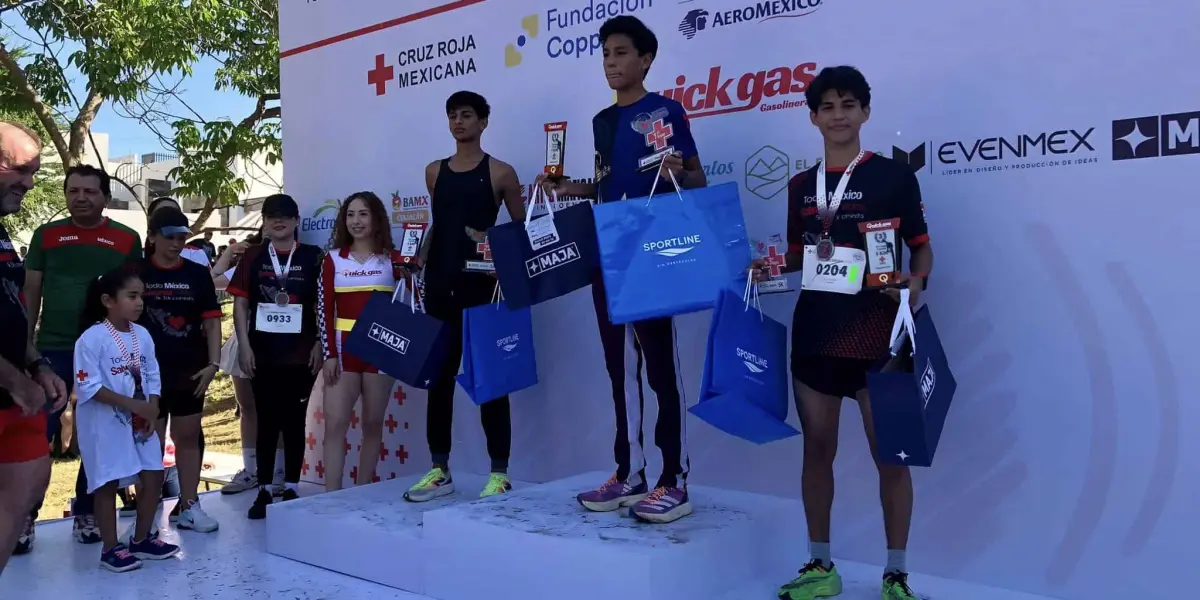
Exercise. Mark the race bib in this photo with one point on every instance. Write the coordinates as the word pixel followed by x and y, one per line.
pixel 542 232
pixel 272 318
pixel 841 274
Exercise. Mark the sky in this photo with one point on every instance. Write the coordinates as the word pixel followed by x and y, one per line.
pixel 128 136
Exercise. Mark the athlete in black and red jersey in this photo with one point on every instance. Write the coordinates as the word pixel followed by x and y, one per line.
pixel 839 329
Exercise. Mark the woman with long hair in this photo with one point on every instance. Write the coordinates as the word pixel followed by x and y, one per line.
pixel 362 260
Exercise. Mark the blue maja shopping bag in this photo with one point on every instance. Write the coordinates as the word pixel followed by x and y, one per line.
pixel 912 391
pixel 744 387
pixel 398 339
pixel 498 357
pixel 672 254
pixel 544 258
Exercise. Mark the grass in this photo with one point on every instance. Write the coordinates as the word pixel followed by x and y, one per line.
pixel 221 434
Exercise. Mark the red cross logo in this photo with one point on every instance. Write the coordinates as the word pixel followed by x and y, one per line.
pixel 81 376
pixel 400 395
pixel 311 440
pixel 775 260
pixel 391 424
pixel 304 467
pixel 401 454
pixel 346 448
pixel 485 249
pixel 354 474
pixel 320 469
pixel 660 135
pixel 318 416
pixel 353 420
pixel 380 75
pixel 383 451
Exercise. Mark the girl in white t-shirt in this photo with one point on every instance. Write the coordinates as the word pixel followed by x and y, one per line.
pixel 117 385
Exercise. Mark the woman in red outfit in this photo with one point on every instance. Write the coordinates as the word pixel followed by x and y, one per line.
pixel 363 260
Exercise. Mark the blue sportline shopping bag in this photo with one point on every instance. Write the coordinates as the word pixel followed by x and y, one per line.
pixel 498 357
pixel 547 257
pixel 670 254
pixel 399 339
pixel 911 392
pixel 744 387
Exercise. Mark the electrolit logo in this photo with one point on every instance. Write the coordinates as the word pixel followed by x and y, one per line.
pixel 509 343
pixel 754 363
pixel 322 218
pixel 673 247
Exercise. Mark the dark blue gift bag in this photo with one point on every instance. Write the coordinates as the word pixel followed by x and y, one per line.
pixel 671 254
pixel 911 392
pixel 498 357
pixel 544 258
pixel 744 387
pixel 398 339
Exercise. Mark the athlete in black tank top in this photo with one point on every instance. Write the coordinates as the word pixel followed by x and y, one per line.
pixel 465 195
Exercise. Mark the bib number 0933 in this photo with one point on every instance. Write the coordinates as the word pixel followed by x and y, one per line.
pixel 278 318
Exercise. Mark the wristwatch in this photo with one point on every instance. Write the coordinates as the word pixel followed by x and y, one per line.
pixel 214 365
pixel 37 363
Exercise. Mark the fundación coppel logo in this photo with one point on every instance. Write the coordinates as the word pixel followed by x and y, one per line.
pixel 1157 136
pixel 697 20
pixel 512 54
pixel 767 172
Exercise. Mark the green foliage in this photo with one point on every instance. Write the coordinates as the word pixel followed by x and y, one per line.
pixel 45 201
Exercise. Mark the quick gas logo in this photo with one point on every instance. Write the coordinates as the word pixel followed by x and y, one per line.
pixel 572 30
pixel 719 92
pixel 754 363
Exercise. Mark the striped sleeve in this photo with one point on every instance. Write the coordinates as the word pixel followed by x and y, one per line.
pixel 327 309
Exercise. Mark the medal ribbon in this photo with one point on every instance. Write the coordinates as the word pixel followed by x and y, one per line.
pixel 827 207
pixel 281 273
pixel 133 360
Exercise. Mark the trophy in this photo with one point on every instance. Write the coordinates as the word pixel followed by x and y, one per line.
pixel 410 242
pixel 773 253
pixel 556 149
pixel 880 238
pixel 485 265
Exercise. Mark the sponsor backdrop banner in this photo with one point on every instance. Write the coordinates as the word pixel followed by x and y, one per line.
pixel 1056 144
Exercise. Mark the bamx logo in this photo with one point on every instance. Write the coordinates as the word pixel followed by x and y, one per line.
pixel 719 94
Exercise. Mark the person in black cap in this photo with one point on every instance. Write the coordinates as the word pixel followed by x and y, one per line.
pixel 274 315
pixel 184 319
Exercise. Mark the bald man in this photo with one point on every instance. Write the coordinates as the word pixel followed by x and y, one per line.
pixel 26 380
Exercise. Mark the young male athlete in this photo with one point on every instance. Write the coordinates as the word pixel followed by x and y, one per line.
pixel 839 330
pixel 466 191
pixel 637 140
pixel 64 257
pixel 26 380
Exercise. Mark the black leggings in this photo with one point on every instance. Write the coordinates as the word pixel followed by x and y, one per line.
pixel 281 399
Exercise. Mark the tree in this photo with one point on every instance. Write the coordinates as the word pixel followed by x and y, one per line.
pixel 134 54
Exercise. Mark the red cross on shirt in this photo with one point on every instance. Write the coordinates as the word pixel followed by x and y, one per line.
pixel 320 469
pixel 383 451
pixel 391 423
pixel 304 467
pixel 81 376
pixel 354 474
pixel 485 249
pixel 660 135
pixel 311 440
pixel 318 416
pixel 346 448
pixel 353 420
pixel 401 454
pixel 775 260
pixel 400 395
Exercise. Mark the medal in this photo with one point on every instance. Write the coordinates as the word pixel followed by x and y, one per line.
pixel 828 205
pixel 825 248
pixel 281 299
pixel 281 272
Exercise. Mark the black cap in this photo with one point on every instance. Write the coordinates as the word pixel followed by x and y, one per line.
pixel 169 221
pixel 280 205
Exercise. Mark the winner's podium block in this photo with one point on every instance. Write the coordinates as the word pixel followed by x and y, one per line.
pixel 370 532
pixel 538 543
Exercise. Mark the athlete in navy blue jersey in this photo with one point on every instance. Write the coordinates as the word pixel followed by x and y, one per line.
pixel 639 139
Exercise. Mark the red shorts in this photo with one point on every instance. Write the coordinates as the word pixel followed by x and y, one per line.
pixel 22 438
pixel 349 362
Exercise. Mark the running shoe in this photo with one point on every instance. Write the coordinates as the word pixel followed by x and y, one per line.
pixel 895 587
pixel 127 535
pixel 85 531
pixel 241 482
pixel 193 517
pixel 259 509
pixel 612 495
pixel 816 580
pixel 153 548
pixel 435 484
pixel 288 494
pixel 497 483
pixel 663 505
pixel 119 559
pixel 25 542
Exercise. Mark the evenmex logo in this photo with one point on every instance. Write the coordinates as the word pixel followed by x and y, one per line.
pixel 698 20
pixel 1152 137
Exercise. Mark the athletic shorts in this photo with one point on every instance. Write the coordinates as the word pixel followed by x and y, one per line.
pixel 22 438
pixel 179 403
pixel 349 362
pixel 831 375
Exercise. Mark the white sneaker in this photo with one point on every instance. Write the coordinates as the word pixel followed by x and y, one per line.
pixel 241 482
pixel 193 517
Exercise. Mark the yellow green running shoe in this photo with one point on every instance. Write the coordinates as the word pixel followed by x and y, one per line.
pixel 816 580
pixel 895 587
pixel 435 484
pixel 497 483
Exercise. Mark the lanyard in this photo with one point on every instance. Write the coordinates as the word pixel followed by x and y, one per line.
pixel 281 273
pixel 133 360
pixel 827 207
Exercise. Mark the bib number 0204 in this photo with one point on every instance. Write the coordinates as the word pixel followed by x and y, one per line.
pixel 831 270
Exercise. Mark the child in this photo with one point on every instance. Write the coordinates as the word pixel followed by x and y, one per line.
pixel 117 386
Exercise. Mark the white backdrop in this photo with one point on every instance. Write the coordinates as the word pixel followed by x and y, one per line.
pixel 1068 461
